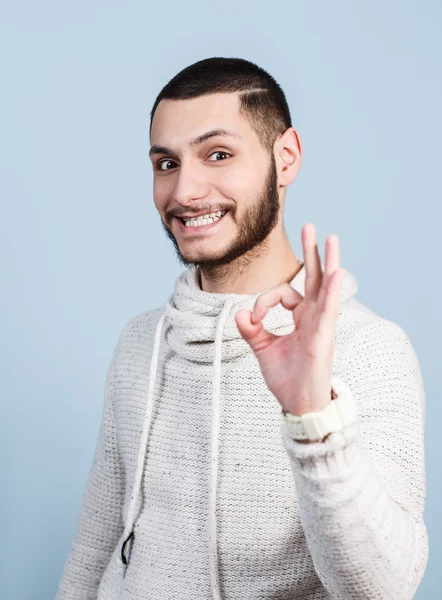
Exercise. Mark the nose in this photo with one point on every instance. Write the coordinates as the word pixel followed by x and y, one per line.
pixel 190 186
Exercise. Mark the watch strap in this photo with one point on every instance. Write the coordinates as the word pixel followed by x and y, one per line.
pixel 338 413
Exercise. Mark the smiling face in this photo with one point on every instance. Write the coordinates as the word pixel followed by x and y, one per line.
pixel 216 172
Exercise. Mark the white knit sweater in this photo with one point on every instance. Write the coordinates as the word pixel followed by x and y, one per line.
pixel 194 459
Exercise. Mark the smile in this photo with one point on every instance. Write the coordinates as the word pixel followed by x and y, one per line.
pixel 202 223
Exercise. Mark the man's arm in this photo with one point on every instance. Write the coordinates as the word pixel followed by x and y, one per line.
pixel 361 492
pixel 100 523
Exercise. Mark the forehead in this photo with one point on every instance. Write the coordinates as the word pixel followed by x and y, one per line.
pixel 175 122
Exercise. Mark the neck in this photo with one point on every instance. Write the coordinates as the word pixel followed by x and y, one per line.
pixel 262 268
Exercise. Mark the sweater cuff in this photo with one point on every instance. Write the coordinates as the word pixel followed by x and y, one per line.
pixel 335 455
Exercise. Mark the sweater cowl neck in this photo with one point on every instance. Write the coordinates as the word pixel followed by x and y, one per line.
pixel 193 314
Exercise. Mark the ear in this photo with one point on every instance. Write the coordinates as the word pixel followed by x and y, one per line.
pixel 288 156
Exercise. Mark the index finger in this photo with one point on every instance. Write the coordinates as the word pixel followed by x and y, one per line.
pixel 283 294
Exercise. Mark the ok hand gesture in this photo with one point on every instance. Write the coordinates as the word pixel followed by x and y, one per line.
pixel 298 367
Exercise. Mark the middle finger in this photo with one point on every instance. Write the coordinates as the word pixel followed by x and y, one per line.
pixel 312 260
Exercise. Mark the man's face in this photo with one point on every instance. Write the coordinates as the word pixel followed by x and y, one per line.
pixel 232 173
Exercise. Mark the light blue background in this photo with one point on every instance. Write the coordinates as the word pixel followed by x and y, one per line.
pixel 82 249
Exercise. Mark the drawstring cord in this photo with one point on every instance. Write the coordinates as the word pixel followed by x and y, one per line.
pixel 213 481
pixel 213 476
pixel 128 530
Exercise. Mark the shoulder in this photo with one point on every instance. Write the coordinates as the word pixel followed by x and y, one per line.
pixel 367 341
pixel 377 358
pixel 359 324
pixel 142 323
pixel 137 333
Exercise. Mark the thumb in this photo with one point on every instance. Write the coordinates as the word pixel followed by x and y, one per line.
pixel 253 333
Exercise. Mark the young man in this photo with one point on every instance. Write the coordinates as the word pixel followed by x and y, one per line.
pixel 263 432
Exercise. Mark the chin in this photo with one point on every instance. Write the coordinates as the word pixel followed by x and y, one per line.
pixel 203 258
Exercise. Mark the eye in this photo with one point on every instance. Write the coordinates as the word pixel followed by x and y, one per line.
pixel 163 162
pixel 219 152
pixel 168 160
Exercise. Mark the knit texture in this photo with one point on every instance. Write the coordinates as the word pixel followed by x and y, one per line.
pixel 229 506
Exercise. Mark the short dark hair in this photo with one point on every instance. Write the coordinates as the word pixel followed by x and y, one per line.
pixel 262 100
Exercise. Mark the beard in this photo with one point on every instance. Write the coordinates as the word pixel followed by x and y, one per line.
pixel 254 226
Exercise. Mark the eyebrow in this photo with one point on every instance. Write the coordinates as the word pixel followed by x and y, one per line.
pixel 219 131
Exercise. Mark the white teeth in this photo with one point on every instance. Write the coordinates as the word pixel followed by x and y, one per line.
pixel 204 219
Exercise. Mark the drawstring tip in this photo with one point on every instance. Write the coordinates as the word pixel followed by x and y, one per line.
pixel 123 557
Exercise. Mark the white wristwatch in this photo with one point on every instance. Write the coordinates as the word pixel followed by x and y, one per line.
pixel 338 413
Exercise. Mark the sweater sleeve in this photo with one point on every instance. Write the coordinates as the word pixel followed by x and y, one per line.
pixel 100 522
pixel 361 491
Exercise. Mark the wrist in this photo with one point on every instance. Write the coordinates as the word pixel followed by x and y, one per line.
pixel 332 397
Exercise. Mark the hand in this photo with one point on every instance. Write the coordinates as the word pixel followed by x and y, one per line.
pixel 298 367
